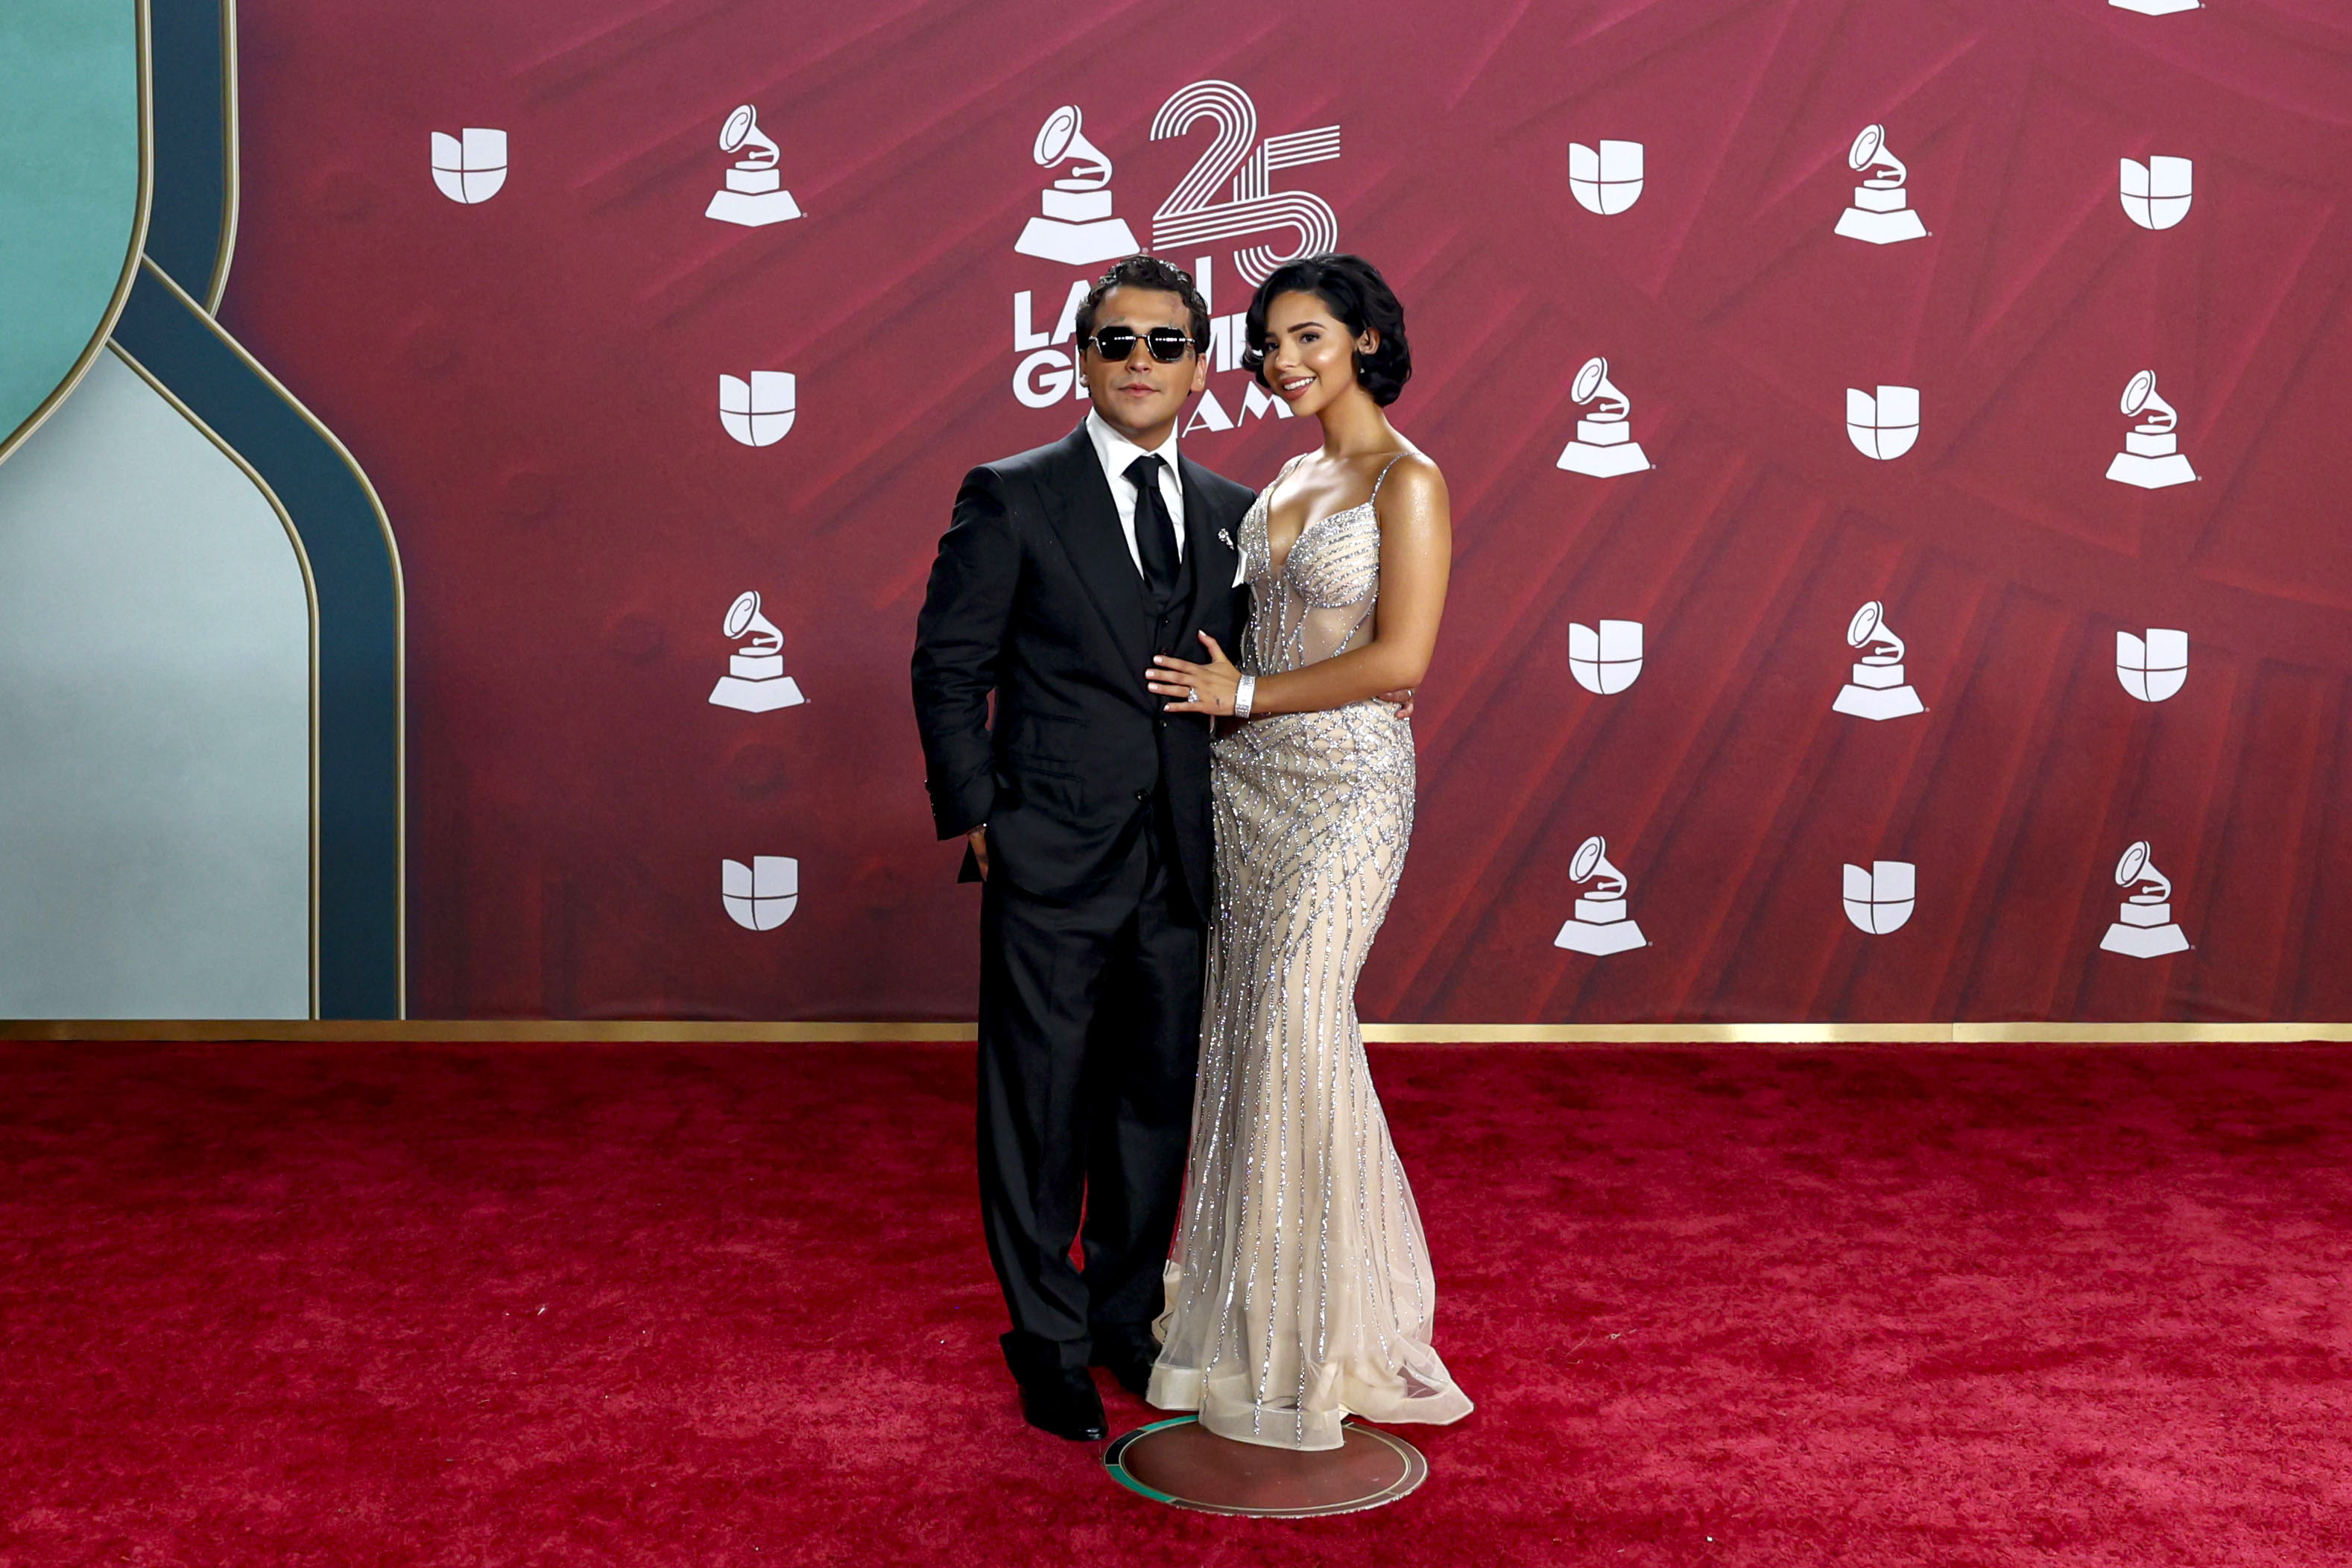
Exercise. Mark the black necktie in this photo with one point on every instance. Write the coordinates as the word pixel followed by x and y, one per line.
pixel 1155 535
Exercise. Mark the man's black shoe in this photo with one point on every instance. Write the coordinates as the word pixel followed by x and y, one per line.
pixel 1064 1403
pixel 1131 1365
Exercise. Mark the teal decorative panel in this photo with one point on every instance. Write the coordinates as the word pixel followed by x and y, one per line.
pixel 73 191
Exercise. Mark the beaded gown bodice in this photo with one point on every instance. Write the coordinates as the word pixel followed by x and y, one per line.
pixel 1320 603
pixel 1300 1289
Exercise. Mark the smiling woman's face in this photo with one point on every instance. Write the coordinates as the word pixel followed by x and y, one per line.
pixel 1311 355
pixel 1137 396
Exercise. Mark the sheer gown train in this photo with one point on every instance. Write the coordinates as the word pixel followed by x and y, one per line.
pixel 1300 1291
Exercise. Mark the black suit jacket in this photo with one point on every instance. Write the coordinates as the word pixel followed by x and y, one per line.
pixel 1035 597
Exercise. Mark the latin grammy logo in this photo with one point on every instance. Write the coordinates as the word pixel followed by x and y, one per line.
pixel 2151 458
pixel 1077 229
pixel 470 166
pixel 1600 925
pixel 1605 660
pixel 1606 179
pixel 762 895
pixel 759 412
pixel 755 681
pixel 1877 690
pixel 2155 666
pixel 2143 927
pixel 1881 214
pixel 1604 446
pixel 1244 167
pixel 2157 7
pixel 1880 899
pixel 2157 193
pixel 754 196
pixel 1883 426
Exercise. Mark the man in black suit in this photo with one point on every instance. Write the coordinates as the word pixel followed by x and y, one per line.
pixel 1086 811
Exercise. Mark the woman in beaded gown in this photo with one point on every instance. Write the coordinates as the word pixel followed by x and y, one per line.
pixel 1301 1290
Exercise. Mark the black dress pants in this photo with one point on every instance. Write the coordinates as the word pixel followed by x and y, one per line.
pixel 1089 1036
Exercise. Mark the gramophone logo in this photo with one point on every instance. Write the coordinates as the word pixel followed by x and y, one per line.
pixel 1879 900
pixel 1601 924
pixel 1606 179
pixel 2153 667
pixel 2157 193
pixel 2156 7
pixel 2151 458
pixel 1877 690
pixel 759 412
pixel 754 195
pixel 755 681
pixel 1604 659
pixel 1881 214
pixel 2143 927
pixel 470 166
pixel 1604 446
pixel 762 895
pixel 1077 229
pixel 1244 166
pixel 1883 426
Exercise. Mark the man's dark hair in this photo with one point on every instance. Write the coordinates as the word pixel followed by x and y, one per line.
pixel 1147 272
pixel 1358 296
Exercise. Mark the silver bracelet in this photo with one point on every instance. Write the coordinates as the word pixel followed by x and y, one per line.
pixel 1244 695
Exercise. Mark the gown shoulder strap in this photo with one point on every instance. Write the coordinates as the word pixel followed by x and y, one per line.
pixel 1280 474
pixel 1384 477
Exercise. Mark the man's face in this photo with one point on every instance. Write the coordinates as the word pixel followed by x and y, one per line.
pixel 1137 396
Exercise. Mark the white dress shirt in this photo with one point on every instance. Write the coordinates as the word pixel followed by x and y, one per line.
pixel 1115 452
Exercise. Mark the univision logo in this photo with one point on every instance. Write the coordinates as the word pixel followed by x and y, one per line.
pixel 759 412
pixel 1883 426
pixel 1879 900
pixel 1606 179
pixel 1605 659
pixel 471 166
pixel 2153 667
pixel 762 895
pixel 2157 194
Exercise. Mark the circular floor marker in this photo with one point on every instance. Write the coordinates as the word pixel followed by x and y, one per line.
pixel 1183 1464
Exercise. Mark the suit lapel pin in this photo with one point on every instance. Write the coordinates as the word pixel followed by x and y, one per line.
pixel 1226 540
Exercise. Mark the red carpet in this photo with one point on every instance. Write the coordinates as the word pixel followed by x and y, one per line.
pixel 358 1306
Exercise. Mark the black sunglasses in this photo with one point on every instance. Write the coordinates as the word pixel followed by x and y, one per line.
pixel 1168 344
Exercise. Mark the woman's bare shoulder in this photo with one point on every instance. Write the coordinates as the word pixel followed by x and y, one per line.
pixel 1413 480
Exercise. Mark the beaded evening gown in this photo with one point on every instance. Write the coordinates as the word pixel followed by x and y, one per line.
pixel 1300 1291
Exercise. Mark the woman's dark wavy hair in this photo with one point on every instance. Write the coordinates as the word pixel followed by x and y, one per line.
pixel 1361 297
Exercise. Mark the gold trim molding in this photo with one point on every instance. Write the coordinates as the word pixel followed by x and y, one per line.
pixel 424 1031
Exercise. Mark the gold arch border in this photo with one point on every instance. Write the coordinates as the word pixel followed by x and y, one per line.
pixel 232 187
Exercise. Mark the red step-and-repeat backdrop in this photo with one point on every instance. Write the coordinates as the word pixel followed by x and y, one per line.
pixel 1913 653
